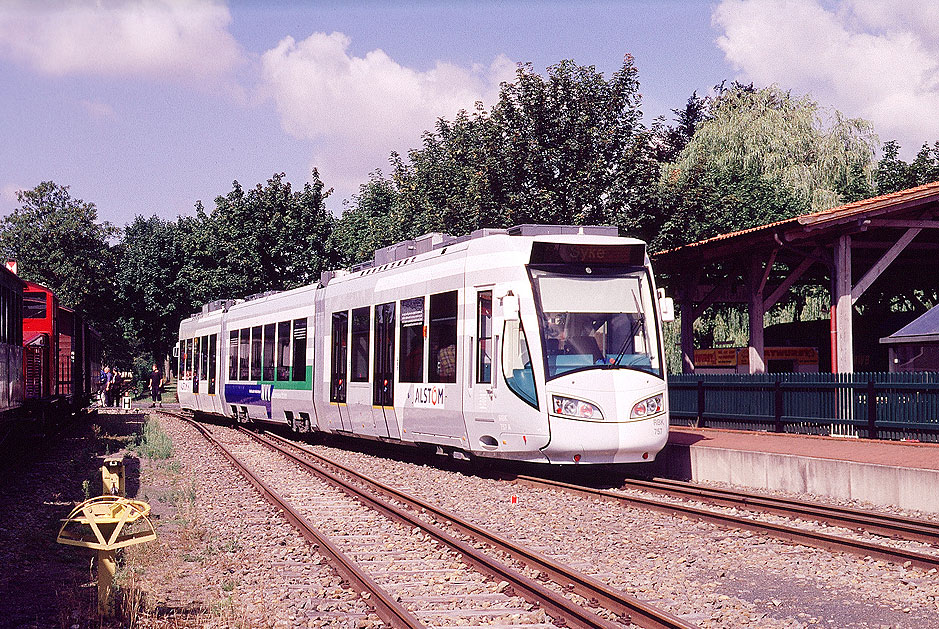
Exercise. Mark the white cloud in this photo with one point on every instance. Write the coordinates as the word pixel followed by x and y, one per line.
pixel 97 110
pixel 867 58
pixel 8 193
pixel 158 38
pixel 359 109
pixel 8 200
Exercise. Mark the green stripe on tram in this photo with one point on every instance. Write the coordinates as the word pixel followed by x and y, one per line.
pixel 293 385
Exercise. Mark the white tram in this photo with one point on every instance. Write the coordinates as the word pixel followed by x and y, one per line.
pixel 536 343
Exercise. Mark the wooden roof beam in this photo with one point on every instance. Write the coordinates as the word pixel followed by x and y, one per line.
pixel 881 265
pixel 787 283
pixel 904 224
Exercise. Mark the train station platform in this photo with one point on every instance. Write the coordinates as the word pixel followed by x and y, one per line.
pixel 886 473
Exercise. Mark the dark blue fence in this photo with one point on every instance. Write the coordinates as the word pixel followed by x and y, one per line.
pixel 871 405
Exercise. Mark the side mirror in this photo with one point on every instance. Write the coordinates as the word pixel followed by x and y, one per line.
pixel 510 307
pixel 176 351
pixel 666 306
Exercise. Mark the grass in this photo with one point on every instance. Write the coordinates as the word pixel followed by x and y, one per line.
pixel 153 442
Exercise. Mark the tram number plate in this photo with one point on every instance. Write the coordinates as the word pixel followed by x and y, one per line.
pixel 658 425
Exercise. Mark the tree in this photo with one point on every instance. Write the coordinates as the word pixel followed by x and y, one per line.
pixel 762 155
pixel 565 148
pixel 368 223
pixel 270 237
pixel 58 242
pixel 152 296
pixel 668 141
pixel 566 141
pixel 893 174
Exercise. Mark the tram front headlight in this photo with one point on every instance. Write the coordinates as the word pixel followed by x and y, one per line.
pixel 647 407
pixel 571 407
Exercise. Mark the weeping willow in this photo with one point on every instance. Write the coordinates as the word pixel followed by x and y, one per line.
pixel 814 154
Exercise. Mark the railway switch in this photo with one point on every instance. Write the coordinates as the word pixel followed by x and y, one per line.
pixel 112 476
pixel 105 524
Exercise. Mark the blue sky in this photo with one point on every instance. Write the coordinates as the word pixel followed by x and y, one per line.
pixel 146 107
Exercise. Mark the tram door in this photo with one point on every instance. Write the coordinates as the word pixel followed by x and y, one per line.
pixel 480 389
pixel 383 383
pixel 196 357
pixel 339 359
pixel 359 393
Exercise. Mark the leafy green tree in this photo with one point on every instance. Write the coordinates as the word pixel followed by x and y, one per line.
pixel 762 155
pixel 369 222
pixel 269 238
pixel 153 296
pixel 668 141
pixel 452 183
pixel 893 174
pixel 58 242
pixel 567 140
pixel 568 147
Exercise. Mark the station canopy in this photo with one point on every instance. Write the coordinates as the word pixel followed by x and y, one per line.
pixel 875 256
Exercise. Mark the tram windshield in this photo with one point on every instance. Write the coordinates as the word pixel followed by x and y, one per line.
pixel 602 321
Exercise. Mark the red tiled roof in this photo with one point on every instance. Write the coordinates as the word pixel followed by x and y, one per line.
pixel 874 203
pixel 832 214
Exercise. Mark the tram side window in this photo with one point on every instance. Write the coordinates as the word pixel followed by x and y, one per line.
pixel 516 363
pixel 204 373
pixel 256 353
pixel 299 350
pixel 360 330
pixel 442 358
pixel 213 352
pixel 484 337
pixel 244 351
pixel 268 371
pixel 233 355
pixel 412 340
pixel 196 359
pixel 283 351
pixel 189 359
pixel 340 350
pixel 181 358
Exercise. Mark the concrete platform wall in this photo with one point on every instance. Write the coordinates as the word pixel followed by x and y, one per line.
pixel 879 484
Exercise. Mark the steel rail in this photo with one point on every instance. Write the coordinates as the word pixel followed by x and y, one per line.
pixel 596 592
pixel 387 608
pixel 789 533
pixel 886 524
pixel 563 610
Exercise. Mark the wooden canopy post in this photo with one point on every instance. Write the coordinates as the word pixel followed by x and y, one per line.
pixel 843 306
pixel 756 280
pixel 687 336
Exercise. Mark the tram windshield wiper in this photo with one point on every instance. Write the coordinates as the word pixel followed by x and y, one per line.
pixel 637 326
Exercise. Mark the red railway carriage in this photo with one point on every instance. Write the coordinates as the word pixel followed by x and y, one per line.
pixel 61 353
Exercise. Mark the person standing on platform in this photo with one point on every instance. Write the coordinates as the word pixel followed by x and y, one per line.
pixel 108 386
pixel 156 383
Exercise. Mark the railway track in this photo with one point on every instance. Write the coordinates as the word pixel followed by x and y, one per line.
pixel 880 524
pixel 393 533
pixel 885 524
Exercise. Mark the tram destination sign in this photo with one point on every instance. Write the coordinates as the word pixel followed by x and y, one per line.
pixel 567 253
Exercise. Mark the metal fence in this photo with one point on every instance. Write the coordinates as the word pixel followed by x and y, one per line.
pixel 894 406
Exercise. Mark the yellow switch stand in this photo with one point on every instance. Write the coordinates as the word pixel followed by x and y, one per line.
pixel 102 523
pixel 112 476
